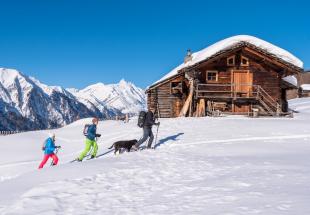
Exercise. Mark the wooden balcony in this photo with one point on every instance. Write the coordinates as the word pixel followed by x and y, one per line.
pixel 227 91
pixel 239 92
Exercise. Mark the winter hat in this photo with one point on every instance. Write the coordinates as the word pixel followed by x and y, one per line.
pixel 51 135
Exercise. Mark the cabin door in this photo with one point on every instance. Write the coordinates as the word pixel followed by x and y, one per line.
pixel 242 83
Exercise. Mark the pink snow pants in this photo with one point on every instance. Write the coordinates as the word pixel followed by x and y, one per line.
pixel 45 159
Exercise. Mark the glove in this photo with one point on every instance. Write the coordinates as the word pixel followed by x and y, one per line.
pixel 157 124
pixel 98 135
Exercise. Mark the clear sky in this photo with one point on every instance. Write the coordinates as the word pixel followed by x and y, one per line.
pixel 74 43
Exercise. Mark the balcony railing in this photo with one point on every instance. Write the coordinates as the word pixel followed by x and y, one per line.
pixel 227 91
pixel 239 91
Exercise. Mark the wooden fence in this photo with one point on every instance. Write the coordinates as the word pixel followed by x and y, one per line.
pixel 4 133
pixel 124 118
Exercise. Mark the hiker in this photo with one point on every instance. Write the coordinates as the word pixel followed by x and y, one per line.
pixel 149 121
pixel 49 148
pixel 90 142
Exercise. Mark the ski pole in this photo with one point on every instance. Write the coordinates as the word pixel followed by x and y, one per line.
pixel 156 136
pixel 92 148
pixel 90 152
pixel 56 154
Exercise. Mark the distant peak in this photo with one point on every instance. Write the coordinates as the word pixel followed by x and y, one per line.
pixel 7 76
pixel 9 72
pixel 123 82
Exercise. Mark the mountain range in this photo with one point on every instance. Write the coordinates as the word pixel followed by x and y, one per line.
pixel 27 104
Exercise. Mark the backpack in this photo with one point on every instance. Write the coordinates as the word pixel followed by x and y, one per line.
pixel 85 131
pixel 141 119
pixel 44 145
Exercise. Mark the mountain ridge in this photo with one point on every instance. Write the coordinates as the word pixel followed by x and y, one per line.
pixel 27 104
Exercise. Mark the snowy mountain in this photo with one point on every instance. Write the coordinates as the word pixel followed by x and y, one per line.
pixel 123 96
pixel 27 104
pixel 221 165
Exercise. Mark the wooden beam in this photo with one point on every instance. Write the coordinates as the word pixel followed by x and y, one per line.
pixel 269 58
pixel 188 101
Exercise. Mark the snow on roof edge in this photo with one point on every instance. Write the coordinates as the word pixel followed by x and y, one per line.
pixel 229 42
pixel 291 79
pixel 305 87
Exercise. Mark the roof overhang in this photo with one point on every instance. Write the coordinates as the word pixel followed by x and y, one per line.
pixel 242 45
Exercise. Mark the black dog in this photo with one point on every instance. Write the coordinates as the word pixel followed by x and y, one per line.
pixel 127 144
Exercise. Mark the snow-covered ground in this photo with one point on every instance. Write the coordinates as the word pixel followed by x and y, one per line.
pixel 230 165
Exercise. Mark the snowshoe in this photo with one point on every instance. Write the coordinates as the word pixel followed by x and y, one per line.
pixel 91 157
pixel 76 160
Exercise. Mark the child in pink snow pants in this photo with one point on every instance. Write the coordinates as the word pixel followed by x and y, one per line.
pixel 49 149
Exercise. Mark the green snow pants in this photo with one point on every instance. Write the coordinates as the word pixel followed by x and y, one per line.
pixel 88 145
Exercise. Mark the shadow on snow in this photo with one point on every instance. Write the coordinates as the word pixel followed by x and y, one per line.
pixel 165 140
pixel 160 142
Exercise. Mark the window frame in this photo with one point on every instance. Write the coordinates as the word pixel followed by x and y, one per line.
pixel 234 60
pixel 216 76
pixel 172 88
pixel 247 59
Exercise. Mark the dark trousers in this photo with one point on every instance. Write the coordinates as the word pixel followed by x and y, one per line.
pixel 147 133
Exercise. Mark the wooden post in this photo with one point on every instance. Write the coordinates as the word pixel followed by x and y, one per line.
pixel 202 108
pixel 188 101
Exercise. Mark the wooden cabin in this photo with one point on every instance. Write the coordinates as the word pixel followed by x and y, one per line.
pixel 239 75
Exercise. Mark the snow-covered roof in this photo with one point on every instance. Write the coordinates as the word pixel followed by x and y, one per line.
pixel 230 42
pixel 305 87
pixel 291 79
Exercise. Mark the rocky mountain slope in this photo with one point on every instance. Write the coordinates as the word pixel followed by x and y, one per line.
pixel 27 104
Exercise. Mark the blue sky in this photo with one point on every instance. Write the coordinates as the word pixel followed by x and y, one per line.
pixel 75 43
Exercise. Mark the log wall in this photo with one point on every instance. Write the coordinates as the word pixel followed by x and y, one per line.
pixel 164 101
pixel 267 75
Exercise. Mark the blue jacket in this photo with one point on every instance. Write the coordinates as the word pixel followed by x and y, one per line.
pixel 91 132
pixel 49 146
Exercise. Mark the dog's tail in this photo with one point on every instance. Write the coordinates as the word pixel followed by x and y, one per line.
pixel 111 146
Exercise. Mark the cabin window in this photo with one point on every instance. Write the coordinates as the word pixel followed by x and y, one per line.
pixel 212 76
pixel 231 61
pixel 176 88
pixel 244 61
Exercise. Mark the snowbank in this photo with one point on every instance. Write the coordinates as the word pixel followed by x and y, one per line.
pixel 305 86
pixel 230 42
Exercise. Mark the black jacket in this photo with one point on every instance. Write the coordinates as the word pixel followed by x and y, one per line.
pixel 149 119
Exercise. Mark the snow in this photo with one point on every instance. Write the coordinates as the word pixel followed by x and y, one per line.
pixel 305 86
pixel 229 165
pixel 291 79
pixel 230 42
pixel 123 96
pixel 29 104
pixel 7 76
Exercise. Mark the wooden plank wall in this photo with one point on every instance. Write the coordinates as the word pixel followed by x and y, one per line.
pixel 169 105
pixel 268 79
pixel 263 75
